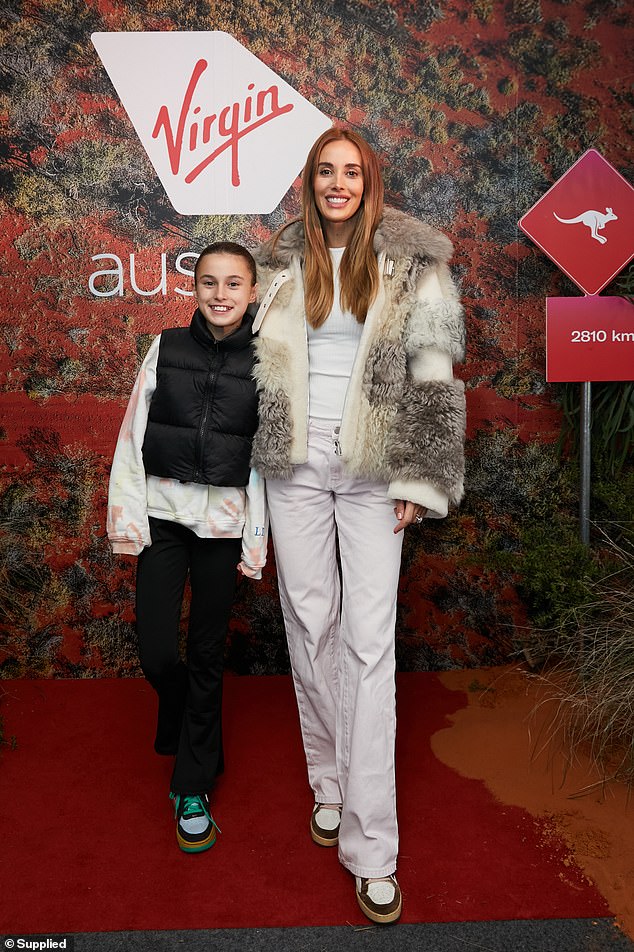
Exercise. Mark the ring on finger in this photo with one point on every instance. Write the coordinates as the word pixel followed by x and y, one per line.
pixel 418 519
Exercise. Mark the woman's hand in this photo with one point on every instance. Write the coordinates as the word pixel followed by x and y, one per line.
pixel 408 513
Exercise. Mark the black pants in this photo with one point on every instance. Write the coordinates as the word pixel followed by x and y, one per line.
pixel 189 695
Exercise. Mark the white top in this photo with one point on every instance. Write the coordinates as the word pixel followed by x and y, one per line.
pixel 332 349
pixel 214 512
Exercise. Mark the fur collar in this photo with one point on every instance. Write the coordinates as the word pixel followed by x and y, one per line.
pixel 398 235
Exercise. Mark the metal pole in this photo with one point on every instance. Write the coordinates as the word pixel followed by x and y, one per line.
pixel 584 458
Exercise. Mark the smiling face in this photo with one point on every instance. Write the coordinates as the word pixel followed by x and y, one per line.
pixel 338 189
pixel 224 288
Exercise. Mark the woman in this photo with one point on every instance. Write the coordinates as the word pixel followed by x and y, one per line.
pixel 361 434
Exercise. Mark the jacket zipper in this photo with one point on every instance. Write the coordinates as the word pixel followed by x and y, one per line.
pixel 210 385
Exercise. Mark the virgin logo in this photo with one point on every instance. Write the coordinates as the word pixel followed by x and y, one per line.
pixel 229 125
pixel 224 133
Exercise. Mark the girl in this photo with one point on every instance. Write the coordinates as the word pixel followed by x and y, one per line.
pixel 360 435
pixel 184 500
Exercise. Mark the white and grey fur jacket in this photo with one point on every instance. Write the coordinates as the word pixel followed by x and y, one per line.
pixel 404 416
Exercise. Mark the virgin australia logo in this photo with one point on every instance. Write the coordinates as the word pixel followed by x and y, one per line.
pixel 221 130
pixel 224 133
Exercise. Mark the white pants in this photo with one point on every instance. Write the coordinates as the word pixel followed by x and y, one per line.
pixel 342 648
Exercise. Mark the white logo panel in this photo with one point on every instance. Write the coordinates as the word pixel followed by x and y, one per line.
pixel 225 134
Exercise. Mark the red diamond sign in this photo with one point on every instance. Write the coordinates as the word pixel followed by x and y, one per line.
pixel 585 222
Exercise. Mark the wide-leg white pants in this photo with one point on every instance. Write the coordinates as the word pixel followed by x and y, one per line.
pixel 341 642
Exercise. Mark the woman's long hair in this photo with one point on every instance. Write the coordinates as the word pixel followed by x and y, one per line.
pixel 359 272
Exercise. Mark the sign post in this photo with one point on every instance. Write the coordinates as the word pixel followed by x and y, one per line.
pixel 588 338
pixel 585 454
pixel 584 223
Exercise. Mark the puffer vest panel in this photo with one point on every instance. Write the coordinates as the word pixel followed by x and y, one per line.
pixel 203 413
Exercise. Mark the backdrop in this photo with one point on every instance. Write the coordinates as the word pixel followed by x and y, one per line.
pixel 476 107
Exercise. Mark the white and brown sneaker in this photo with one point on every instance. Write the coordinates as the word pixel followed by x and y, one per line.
pixel 380 899
pixel 324 824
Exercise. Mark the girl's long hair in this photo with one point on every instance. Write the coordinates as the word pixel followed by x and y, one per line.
pixel 359 272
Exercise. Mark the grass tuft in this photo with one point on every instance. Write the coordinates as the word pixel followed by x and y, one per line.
pixel 591 673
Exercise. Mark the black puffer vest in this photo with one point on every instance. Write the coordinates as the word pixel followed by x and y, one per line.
pixel 203 413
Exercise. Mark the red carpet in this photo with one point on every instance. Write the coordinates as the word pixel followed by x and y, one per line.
pixel 89 842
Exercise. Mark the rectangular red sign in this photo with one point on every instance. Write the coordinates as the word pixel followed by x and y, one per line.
pixel 589 338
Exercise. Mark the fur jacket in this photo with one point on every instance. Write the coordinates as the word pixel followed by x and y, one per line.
pixel 404 415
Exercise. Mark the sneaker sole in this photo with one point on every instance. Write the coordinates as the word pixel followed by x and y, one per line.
pixel 199 847
pixel 321 840
pixel 377 917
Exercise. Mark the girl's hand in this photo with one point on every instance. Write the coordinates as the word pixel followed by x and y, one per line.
pixel 408 513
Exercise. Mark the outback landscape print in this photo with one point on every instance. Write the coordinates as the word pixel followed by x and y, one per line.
pixel 476 107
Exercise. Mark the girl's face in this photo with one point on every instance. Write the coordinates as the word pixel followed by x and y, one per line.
pixel 338 184
pixel 224 287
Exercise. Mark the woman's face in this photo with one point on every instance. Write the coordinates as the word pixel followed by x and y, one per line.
pixel 338 183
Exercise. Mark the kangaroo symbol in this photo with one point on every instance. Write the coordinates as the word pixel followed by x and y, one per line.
pixel 595 221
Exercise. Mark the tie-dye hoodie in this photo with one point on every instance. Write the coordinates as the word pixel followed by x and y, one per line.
pixel 209 511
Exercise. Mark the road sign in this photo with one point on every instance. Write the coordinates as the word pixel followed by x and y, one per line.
pixel 589 338
pixel 585 222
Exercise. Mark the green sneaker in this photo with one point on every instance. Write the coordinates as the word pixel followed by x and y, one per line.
pixel 195 826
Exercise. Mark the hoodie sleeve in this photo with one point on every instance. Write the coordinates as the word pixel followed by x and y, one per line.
pixel 128 526
pixel 256 528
